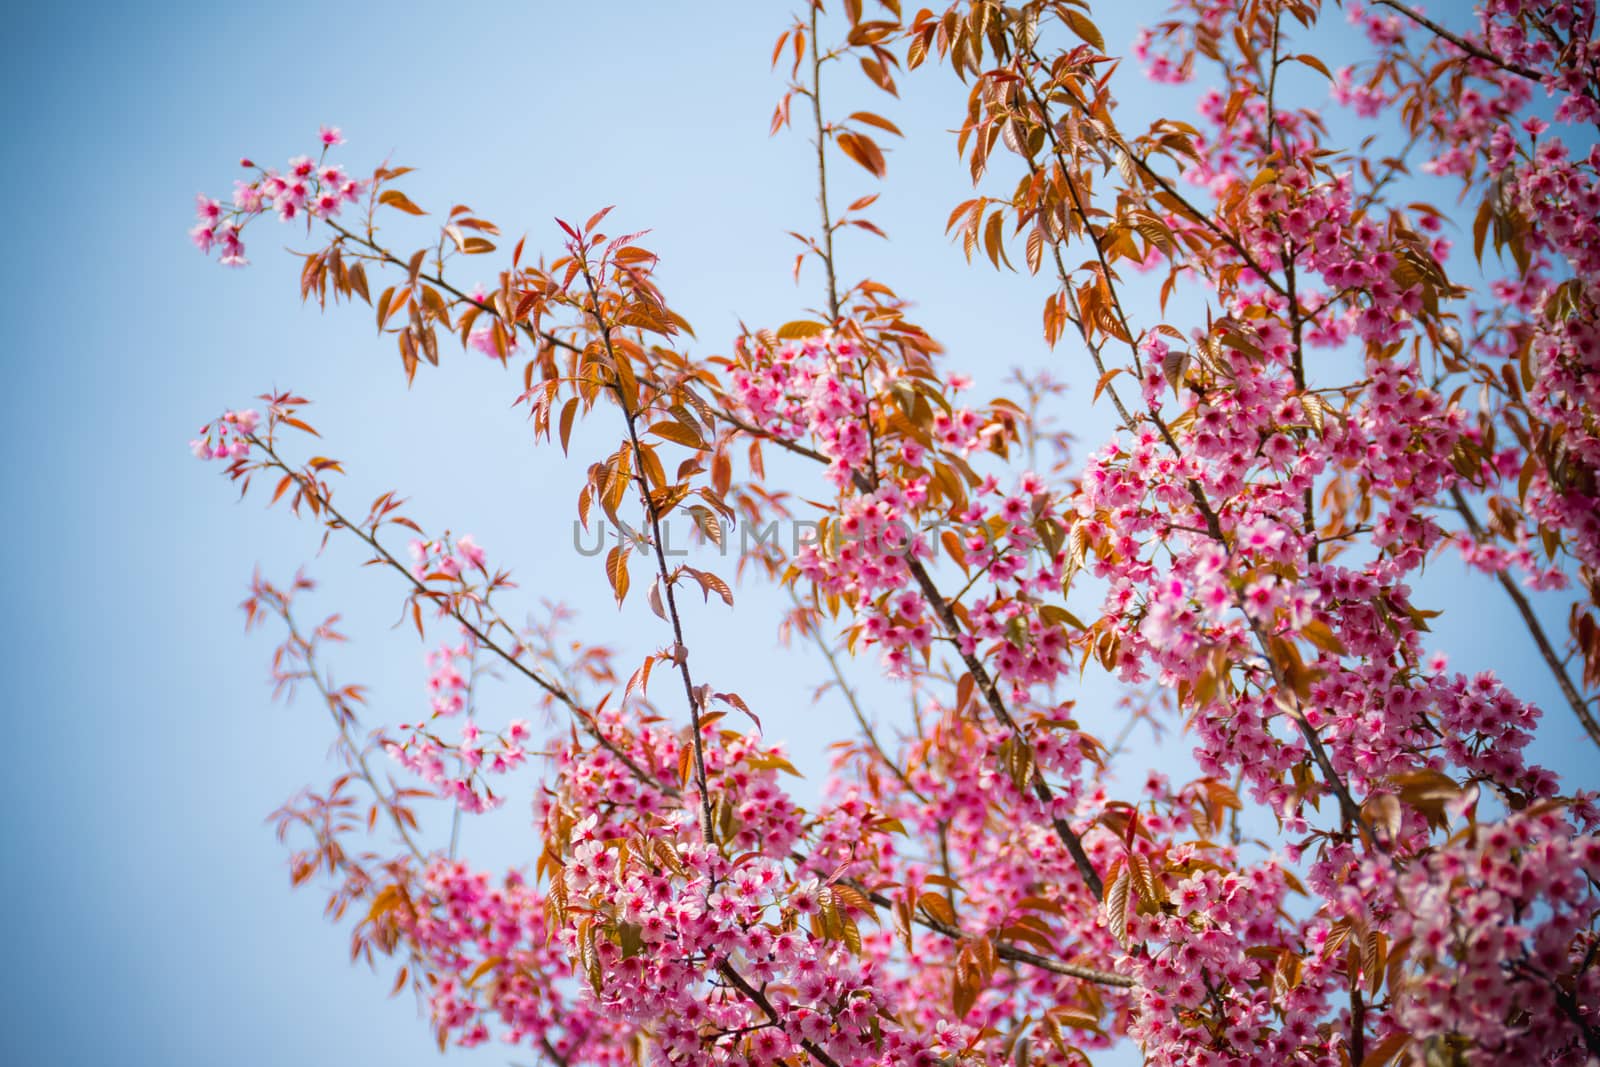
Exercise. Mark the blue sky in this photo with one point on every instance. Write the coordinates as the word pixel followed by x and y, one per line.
pixel 152 919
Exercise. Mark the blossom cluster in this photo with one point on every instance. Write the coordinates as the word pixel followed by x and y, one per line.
pixel 461 770
pixel 821 389
pixel 462 925
pixel 1494 916
pixel 473 758
pixel 445 558
pixel 227 437
pixel 1559 196
pixel 649 918
pixel 305 187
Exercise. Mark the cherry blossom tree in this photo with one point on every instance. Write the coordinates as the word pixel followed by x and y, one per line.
pixel 1317 397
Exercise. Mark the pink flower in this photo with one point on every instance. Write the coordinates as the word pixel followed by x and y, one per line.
pixel 470 551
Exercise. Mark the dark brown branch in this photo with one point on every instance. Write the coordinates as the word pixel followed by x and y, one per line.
pixel 991 696
pixel 1547 651
pixel 545 337
pixel 1474 50
pixel 759 999
pixel 680 650
pixel 550 1050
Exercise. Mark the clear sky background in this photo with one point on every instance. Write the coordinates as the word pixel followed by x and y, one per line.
pixel 150 917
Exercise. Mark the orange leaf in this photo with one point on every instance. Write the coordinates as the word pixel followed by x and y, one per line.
pixel 396 199
pixel 864 151
pixel 677 433
pixel 876 120
pixel 617 571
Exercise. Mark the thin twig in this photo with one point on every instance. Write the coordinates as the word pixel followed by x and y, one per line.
pixel 548 338
pixel 1547 651
pixel 822 172
pixel 991 695
pixel 680 650
pixel 811 630
pixel 1474 50
pixel 472 686
pixel 759 999
pixel 583 716
pixel 357 753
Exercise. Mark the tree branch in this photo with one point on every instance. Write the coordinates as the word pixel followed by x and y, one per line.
pixel 479 632
pixel 822 171
pixel 357 753
pixel 680 651
pixel 1547 651
pixel 1471 49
